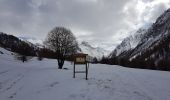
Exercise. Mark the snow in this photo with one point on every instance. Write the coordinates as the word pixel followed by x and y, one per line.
pixel 130 42
pixel 93 51
pixel 41 80
pixel 154 37
pixel 32 40
pixel 146 39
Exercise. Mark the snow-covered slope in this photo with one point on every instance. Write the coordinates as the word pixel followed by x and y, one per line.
pixel 152 48
pixel 15 44
pixel 5 52
pixel 129 43
pixel 93 51
pixel 41 80
pixel 156 40
pixel 32 40
pixel 36 42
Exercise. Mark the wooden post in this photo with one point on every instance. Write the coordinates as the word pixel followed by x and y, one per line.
pixel 74 71
pixel 86 71
pixel 87 68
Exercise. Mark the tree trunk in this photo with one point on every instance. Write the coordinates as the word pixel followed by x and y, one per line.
pixel 60 63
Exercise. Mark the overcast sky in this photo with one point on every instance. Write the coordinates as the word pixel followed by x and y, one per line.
pixel 100 22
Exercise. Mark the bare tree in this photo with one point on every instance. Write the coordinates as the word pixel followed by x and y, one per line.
pixel 63 42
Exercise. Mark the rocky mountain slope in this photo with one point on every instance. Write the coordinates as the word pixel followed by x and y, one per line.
pixel 93 51
pixel 153 47
pixel 129 43
pixel 155 35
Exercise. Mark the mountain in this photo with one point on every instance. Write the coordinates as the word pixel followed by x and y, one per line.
pixel 155 43
pixel 15 44
pixel 152 49
pixel 92 51
pixel 32 40
pixel 129 43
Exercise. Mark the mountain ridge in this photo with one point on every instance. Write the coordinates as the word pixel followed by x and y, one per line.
pixel 97 52
pixel 153 49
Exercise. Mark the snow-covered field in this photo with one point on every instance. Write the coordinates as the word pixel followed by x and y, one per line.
pixel 41 80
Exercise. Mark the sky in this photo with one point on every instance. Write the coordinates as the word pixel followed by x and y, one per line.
pixel 103 23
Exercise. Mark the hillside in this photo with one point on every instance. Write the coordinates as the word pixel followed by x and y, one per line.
pixel 15 44
pixel 129 43
pixel 93 51
pixel 151 47
pixel 41 80
pixel 155 42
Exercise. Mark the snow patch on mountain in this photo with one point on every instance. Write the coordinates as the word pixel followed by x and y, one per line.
pixel 93 51
pixel 130 42
pixel 155 35
pixel 35 41
pixel 32 40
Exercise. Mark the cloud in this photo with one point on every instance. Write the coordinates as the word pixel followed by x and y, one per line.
pixel 104 22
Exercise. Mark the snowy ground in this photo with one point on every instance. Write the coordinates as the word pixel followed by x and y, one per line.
pixel 41 80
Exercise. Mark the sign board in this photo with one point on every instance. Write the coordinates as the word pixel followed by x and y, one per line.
pixel 80 59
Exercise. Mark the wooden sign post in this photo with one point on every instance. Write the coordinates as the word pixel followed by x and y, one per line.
pixel 80 59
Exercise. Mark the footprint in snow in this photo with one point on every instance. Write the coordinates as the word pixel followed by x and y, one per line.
pixel 53 84
pixel 12 95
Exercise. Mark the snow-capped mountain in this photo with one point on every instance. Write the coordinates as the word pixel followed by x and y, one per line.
pixel 129 43
pixel 35 41
pixel 92 51
pixel 156 40
pixel 151 48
